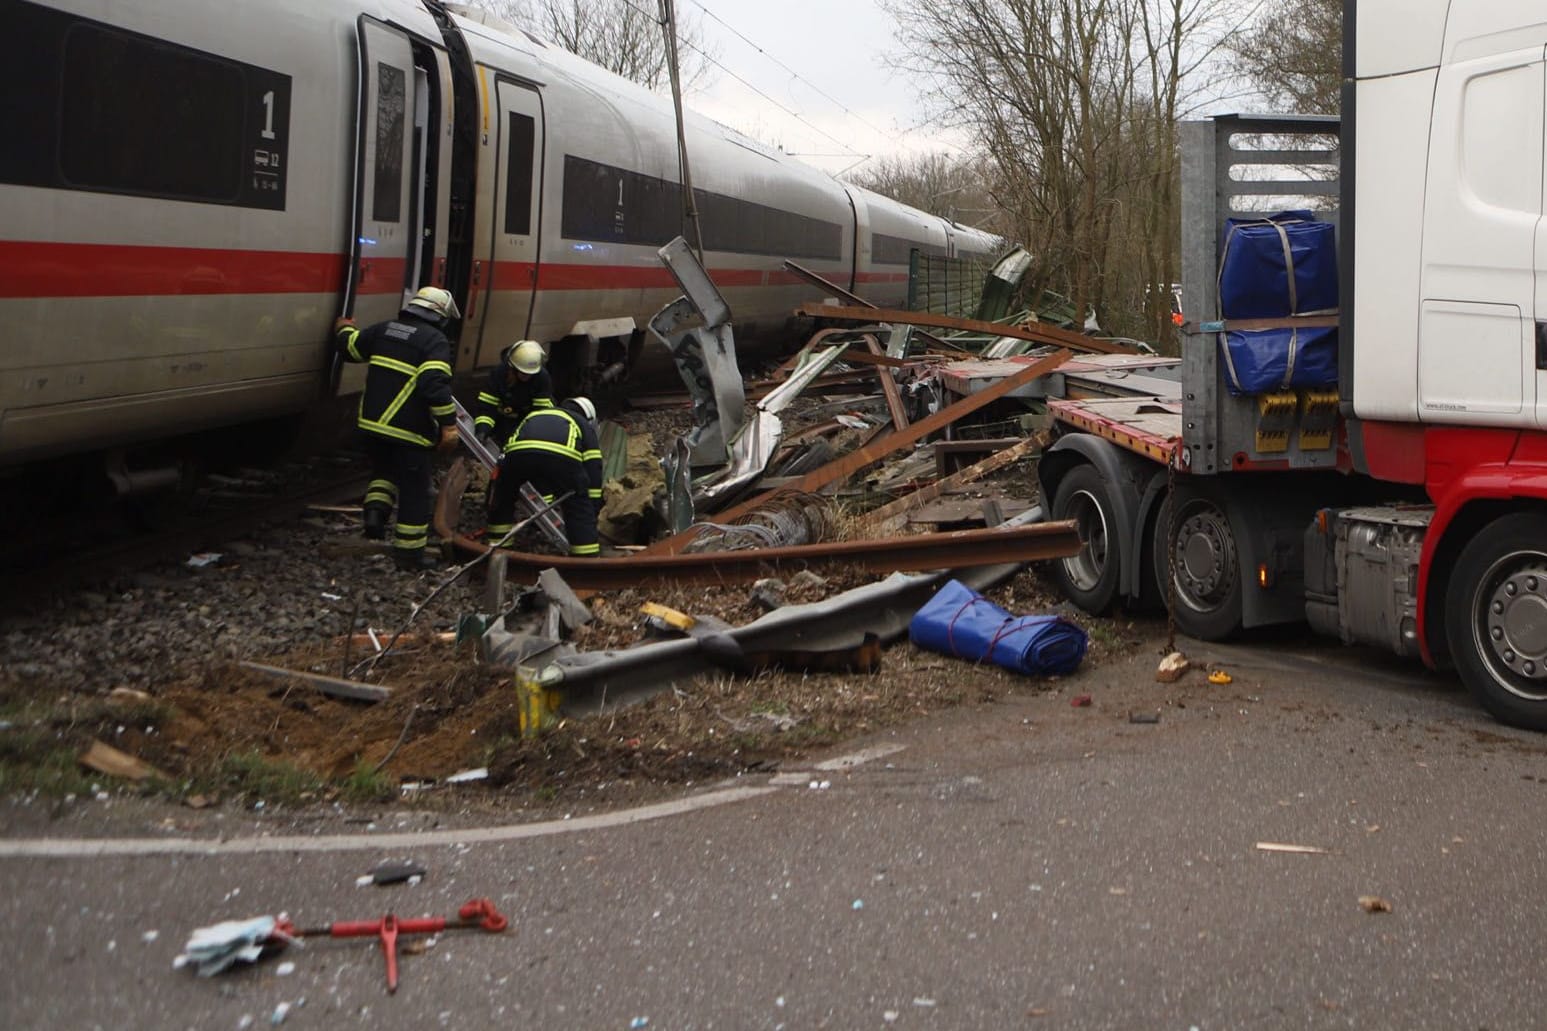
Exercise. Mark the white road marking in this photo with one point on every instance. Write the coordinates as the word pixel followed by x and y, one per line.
pixel 864 755
pixel 93 848
pixel 96 848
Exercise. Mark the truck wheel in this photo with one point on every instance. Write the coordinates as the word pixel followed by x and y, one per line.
pixel 1090 578
pixel 1496 619
pixel 1201 567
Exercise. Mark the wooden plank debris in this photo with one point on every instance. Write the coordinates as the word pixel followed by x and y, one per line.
pixel 888 518
pixel 1040 334
pixel 1296 850
pixel 854 461
pixel 351 689
pixel 888 386
pixel 108 760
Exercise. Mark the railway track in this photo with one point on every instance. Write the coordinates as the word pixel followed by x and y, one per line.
pixel 49 551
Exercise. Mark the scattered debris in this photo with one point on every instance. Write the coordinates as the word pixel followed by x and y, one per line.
pixel 468 776
pixel 768 593
pixel 1220 677
pixel 106 759
pixel 1171 668
pixel 202 559
pixel 572 611
pixel 1297 850
pixel 1144 717
pixel 396 871
pixel 337 688
pixel 1080 701
pixel 1374 904
pixel 215 948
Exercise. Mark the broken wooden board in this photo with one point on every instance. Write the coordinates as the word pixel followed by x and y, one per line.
pixel 894 441
pixel 110 761
pixel 351 689
pixel 953 511
pixel 1037 333
pixel 888 518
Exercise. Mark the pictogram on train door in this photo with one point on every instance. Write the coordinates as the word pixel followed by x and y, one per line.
pixel 505 271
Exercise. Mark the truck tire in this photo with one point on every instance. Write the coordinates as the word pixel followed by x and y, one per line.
pixel 1090 578
pixel 1199 568
pixel 1496 619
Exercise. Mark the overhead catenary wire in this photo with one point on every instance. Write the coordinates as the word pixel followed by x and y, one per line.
pixel 718 64
pixel 893 136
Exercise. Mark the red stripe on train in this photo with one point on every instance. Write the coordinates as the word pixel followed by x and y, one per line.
pixel 33 269
pixel 30 269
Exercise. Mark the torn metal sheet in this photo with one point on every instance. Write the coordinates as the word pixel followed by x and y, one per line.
pixel 1002 283
pixel 753 447
pixel 696 328
pixel 598 681
pixel 876 450
pixel 706 360
pixel 696 285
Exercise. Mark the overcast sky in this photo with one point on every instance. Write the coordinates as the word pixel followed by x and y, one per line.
pixel 838 47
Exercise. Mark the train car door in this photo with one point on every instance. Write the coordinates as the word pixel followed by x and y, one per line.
pixel 506 275
pixel 388 212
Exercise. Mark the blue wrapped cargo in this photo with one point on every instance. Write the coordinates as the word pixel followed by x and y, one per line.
pixel 959 621
pixel 1274 268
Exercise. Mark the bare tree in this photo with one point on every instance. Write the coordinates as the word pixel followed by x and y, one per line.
pixel 949 186
pixel 1075 103
pixel 623 36
pixel 1293 54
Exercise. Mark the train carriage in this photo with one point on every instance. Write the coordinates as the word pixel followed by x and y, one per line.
pixel 191 194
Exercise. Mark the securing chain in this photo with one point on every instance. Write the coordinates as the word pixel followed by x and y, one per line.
pixel 1171 509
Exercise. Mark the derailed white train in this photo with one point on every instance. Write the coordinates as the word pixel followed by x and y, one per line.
pixel 192 192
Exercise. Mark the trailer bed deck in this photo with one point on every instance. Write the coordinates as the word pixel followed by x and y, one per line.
pixel 1135 401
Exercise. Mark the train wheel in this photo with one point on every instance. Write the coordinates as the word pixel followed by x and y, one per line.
pixel 1198 564
pixel 1496 619
pixel 1089 578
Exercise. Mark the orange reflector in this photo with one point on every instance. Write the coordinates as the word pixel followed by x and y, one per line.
pixel 1264 578
pixel 1321 520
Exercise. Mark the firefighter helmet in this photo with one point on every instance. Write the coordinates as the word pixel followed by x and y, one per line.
pixel 435 301
pixel 526 357
pixel 584 406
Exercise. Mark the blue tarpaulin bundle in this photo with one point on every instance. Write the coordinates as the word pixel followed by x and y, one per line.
pixel 959 621
pixel 1272 268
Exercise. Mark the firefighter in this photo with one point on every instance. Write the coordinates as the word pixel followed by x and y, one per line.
pixel 406 412
pixel 517 385
pixel 556 450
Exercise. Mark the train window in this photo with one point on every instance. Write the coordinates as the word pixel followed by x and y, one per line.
pixel 91 107
pixel 391 108
pixel 615 205
pixel 518 176
pixel 894 250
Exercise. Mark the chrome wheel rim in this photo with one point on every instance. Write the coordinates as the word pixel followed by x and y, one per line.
pixel 1203 557
pixel 1085 569
pixel 1509 623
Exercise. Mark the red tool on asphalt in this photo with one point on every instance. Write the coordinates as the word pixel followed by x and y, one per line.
pixel 474 914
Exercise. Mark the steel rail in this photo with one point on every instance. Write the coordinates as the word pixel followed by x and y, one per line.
pixel 963 549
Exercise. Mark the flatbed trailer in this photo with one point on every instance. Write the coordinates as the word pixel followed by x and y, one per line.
pixel 1425 539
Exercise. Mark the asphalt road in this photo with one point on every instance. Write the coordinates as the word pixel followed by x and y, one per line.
pixel 1025 864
